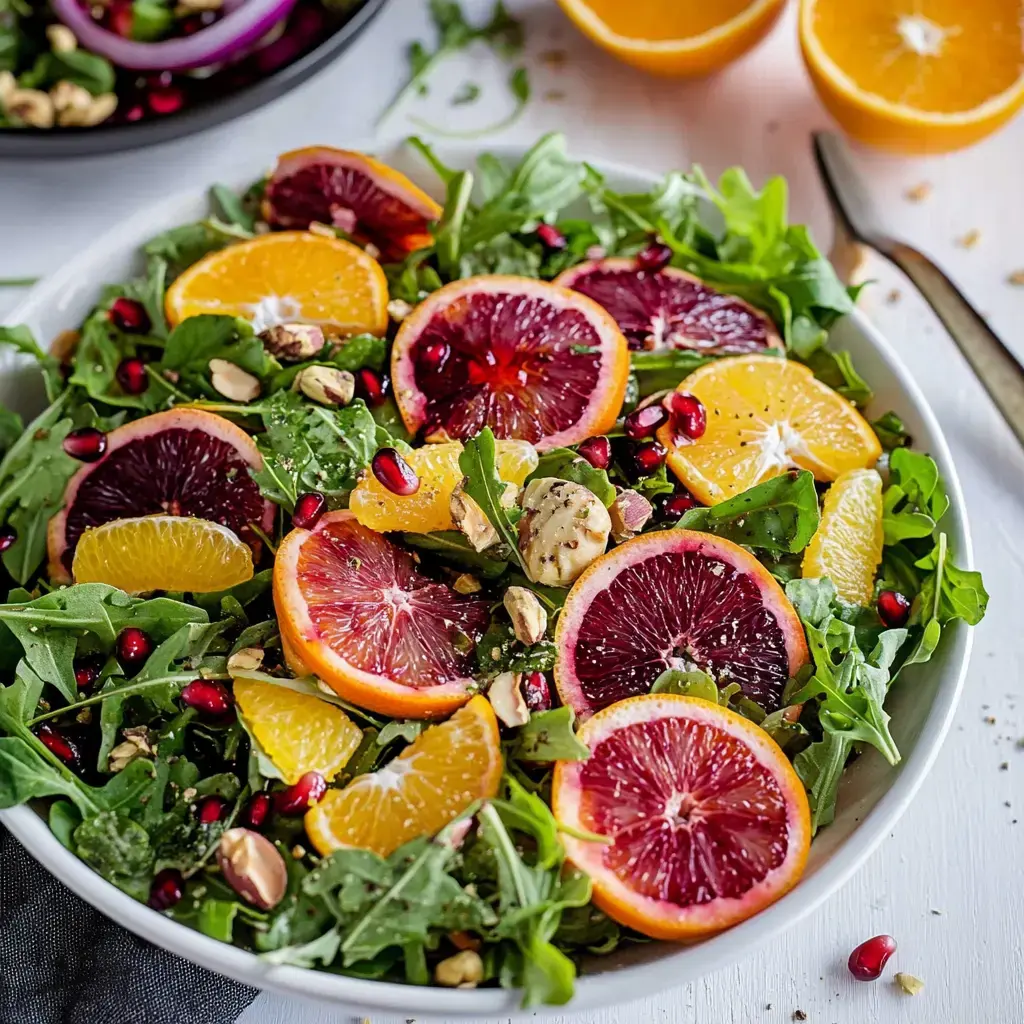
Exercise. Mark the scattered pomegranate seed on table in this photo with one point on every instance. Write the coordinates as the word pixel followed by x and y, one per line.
pixel 655 257
pixel 689 417
pixel 131 375
pixel 209 697
pixel 868 960
pixel 129 316
pixel 133 647
pixel 394 473
pixel 552 237
pixel 649 457
pixel 309 508
pixel 211 810
pixel 297 799
pixel 597 451
pixel 257 811
pixel 167 889
pixel 87 444
pixel 57 743
pixel 644 422
pixel 8 535
pixel 893 608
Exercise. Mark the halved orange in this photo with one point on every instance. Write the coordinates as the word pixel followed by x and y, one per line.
pixel 290 276
pixel 766 415
pixel 918 76
pixel 162 553
pixel 431 782
pixel 847 546
pixel 675 37
pixel 437 466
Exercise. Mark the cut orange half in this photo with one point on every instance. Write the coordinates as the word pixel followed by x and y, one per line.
pixel 675 37
pixel 290 276
pixel 431 782
pixel 919 76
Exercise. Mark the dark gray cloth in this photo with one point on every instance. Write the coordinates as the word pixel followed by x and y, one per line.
pixel 61 962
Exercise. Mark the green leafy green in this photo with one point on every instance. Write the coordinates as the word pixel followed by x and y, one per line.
pixel 549 736
pixel 22 339
pixel 891 432
pixel 565 464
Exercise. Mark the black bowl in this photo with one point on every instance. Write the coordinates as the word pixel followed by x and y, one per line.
pixel 65 142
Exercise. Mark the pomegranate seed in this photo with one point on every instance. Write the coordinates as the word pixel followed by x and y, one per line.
pixel 395 473
pixel 208 696
pixel 371 387
pixel 597 451
pixel 673 506
pixel 536 691
pixel 649 457
pixel 57 743
pixel 552 237
pixel 256 812
pixel 211 809
pixel 120 19
pixel 893 608
pixel 655 257
pixel 168 100
pixel 641 423
pixel 868 960
pixel 87 671
pixel 433 356
pixel 131 375
pixel 8 535
pixel 167 889
pixel 298 799
pixel 135 113
pixel 133 647
pixel 309 508
pixel 689 417
pixel 129 316
pixel 87 444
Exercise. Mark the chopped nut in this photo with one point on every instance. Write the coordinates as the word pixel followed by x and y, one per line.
pixel 293 342
pixel 248 659
pixel 911 985
pixel 372 251
pixel 30 106
pixel 253 867
pixel 469 518
pixel 138 742
pixel 298 852
pixel 463 970
pixel 1016 278
pixel 233 382
pixel 186 7
pixel 467 584
pixel 507 700
pixel 529 619
pixel 894 296
pixel 61 38
pixel 326 385
pixel 629 514
pixel 8 85
pixel 189 794
pixel 70 101
pixel 970 239
pixel 918 193
pixel 85 115
pixel 399 309
pixel 799 1015
pixel 84 717
pixel 63 346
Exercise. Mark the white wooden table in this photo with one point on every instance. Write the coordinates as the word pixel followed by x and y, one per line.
pixel 948 883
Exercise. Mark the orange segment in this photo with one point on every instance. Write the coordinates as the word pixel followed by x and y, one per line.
pixel 916 75
pixel 847 546
pixel 766 415
pixel 286 276
pixel 431 782
pixel 675 37
pixel 437 466
pixel 162 553
pixel 299 732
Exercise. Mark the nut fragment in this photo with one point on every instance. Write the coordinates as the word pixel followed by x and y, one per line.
pixel 629 514
pixel 61 38
pixel 8 85
pixel 470 520
pixel 70 101
pixel 138 742
pixel 507 700
pixel 326 385
pixel 233 382
pixel 467 584
pixel 463 970
pixel 248 659
pixel 253 867
pixel 399 309
pixel 186 7
pixel 911 985
pixel 30 106
pixel 564 527
pixel 529 619
pixel 293 341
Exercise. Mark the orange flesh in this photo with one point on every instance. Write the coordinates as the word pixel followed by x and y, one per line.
pixel 656 20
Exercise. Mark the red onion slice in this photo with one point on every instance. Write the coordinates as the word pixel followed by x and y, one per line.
pixel 239 28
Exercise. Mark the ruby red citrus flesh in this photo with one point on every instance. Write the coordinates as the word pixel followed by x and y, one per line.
pixel 708 822
pixel 368 200
pixel 184 462
pixel 675 599
pixel 526 358
pixel 356 610
pixel 668 308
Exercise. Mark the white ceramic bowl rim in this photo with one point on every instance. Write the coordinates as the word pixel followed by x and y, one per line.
pixel 594 990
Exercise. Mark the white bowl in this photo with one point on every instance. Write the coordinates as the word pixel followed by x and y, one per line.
pixel 872 796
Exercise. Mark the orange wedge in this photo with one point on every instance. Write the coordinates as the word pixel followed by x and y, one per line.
pixel 675 37
pixel 162 553
pixel 431 782
pixel 847 545
pixel 916 76
pixel 766 415
pixel 284 277
pixel 437 466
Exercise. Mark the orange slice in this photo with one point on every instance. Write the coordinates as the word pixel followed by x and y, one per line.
pixel 437 466
pixel 431 782
pixel 766 415
pixel 919 76
pixel 284 277
pixel 847 545
pixel 299 732
pixel 162 553
pixel 675 37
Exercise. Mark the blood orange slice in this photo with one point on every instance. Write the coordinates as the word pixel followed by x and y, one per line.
pixel 675 599
pixel 526 358
pixel 708 822
pixel 354 608
pixel 672 309
pixel 365 198
pixel 184 462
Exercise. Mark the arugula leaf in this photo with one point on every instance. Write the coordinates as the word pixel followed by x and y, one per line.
pixel 891 432
pixel 915 499
pixel 197 340
pixel 177 249
pixel 950 592
pixel 11 428
pixel 664 370
pixel 25 775
pixel 549 736
pixel 452 547
pixel 565 464
pixel 820 767
pixel 89 70
pixel 117 848
pixel 688 683
pixel 231 208
pixel 22 339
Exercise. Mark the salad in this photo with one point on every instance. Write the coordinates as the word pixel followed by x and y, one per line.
pixel 443 593
pixel 70 64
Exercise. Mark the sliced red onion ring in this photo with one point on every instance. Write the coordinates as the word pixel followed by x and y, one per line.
pixel 239 28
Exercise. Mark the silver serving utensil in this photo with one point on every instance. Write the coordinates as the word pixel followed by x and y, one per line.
pixel 857 223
